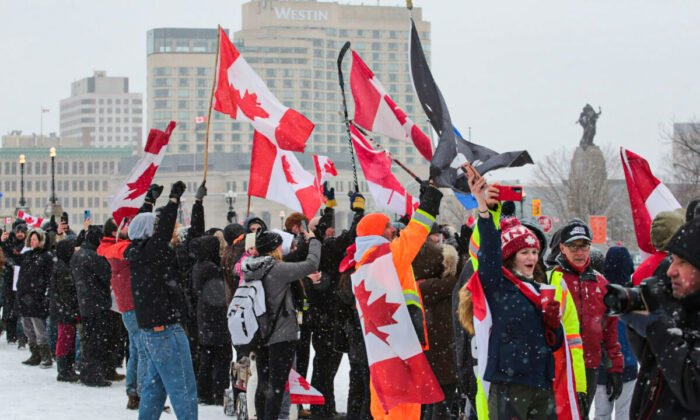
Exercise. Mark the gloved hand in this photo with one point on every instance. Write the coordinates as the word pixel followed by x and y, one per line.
pixel 614 385
pixel 417 320
pixel 430 198
pixel 357 201
pixel 177 190
pixel 329 194
pixel 201 191
pixel 552 317
pixel 154 191
pixel 51 226
pixel 582 398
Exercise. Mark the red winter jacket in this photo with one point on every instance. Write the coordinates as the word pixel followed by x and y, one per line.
pixel 587 288
pixel 113 251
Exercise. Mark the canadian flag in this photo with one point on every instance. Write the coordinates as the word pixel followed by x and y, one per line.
pixel 398 367
pixel 648 197
pixel 277 175
pixel 325 168
pixel 241 94
pixel 301 392
pixel 386 190
pixel 32 221
pixel 201 119
pixel 130 195
pixel 377 112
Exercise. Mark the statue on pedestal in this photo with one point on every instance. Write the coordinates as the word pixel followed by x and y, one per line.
pixel 588 120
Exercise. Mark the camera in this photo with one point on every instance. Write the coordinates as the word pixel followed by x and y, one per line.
pixel 620 299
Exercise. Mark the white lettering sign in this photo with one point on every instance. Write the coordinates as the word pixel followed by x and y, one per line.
pixel 287 13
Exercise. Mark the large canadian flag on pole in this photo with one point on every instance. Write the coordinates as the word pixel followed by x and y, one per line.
pixel 386 190
pixel 30 220
pixel 398 367
pixel 130 195
pixel 377 112
pixel 277 175
pixel 648 197
pixel 242 94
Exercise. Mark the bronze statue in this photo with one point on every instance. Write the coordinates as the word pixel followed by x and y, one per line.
pixel 588 119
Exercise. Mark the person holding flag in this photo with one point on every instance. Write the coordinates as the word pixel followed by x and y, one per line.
pixel 519 345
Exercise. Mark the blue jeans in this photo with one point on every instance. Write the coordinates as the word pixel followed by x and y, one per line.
pixel 169 372
pixel 136 365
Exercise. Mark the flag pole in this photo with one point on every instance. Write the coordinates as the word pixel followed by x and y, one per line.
pixel 398 162
pixel 211 98
pixel 247 212
pixel 345 110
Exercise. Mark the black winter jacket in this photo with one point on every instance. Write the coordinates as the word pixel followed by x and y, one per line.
pixel 91 274
pixel 668 383
pixel 158 296
pixel 64 307
pixel 34 278
pixel 208 288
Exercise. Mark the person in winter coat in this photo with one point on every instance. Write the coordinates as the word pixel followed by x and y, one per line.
pixel 12 243
pixel 618 270
pixel 435 269
pixel 234 234
pixel 91 274
pixel 254 225
pixel 666 337
pixel 275 357
pixel 64 310
pixel 524 336
pixel 32 300
pixel 214 350
pixel 160 308
pixel 9 315
pixel 587 288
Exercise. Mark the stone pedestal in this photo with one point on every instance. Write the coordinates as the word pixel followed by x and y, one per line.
pixel 588 186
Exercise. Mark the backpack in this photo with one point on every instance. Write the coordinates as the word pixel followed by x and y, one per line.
pixel 249 321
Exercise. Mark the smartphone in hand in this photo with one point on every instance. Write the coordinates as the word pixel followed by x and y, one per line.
pixel 509 193
pixel 87 215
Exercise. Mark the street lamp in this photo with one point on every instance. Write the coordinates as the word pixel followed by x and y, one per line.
pixel 282 219
pixel 231 199
pixel 52 154
pixel 22 161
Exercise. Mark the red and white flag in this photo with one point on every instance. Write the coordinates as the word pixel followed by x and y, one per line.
pixel 398 367
pixel 325 168
pixel 32 221
pixel 277 175
pixel 8 220
pixel 130 195
pixel 648 197
pixel 386 190
pixel 377 112
pixel 301 392
pixel 198 120
pixel 243 95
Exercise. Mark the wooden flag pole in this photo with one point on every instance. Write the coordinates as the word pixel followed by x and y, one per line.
pixel 211 99
pixel 247 212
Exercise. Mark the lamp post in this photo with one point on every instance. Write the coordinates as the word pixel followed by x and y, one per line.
pixel 22 202
pixel 231 200
pixel 282 219
pixel 52 154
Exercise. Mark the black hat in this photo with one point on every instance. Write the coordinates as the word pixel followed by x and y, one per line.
pixel 686 242
pixel 20 227
pixel 233 231
pixel 574 231
pixel 267 242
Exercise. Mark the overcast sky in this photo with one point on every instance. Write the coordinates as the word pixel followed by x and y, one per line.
pixel 517 72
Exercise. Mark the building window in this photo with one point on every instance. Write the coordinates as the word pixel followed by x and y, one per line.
pixel 183 71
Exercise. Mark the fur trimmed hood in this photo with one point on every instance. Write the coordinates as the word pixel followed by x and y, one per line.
pixel 435 260
pixel 40 233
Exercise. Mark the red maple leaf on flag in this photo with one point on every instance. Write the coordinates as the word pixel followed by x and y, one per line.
pixel 329 168
pixel 304 383
pixel 140 186
pixel 286 167
pixel 248 104
pixel 379 313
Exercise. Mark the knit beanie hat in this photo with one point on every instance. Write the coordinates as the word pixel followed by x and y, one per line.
pixel 515 237
pixel 686 242
pixel 663 227
pixel 233 231
pixel 372 224
pixel 142 226
pixel 267 242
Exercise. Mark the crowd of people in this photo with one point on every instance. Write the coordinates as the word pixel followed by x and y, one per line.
pixel 156 294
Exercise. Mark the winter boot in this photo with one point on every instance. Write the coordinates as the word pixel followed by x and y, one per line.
pixel 65 370
pixel 22 343
pixel 46 360
pixel 35 358
pixel 133 403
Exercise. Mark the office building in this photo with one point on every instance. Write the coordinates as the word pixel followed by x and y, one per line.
pixel 102 112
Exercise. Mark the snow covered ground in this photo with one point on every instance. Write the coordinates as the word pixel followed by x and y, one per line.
pixel 28 392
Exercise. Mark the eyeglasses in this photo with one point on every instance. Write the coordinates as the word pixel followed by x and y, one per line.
pixel 574 248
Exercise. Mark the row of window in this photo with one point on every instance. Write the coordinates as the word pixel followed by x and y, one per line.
pixel 44 185
pixel 181 71
pixel 62 168
pixel 366 33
